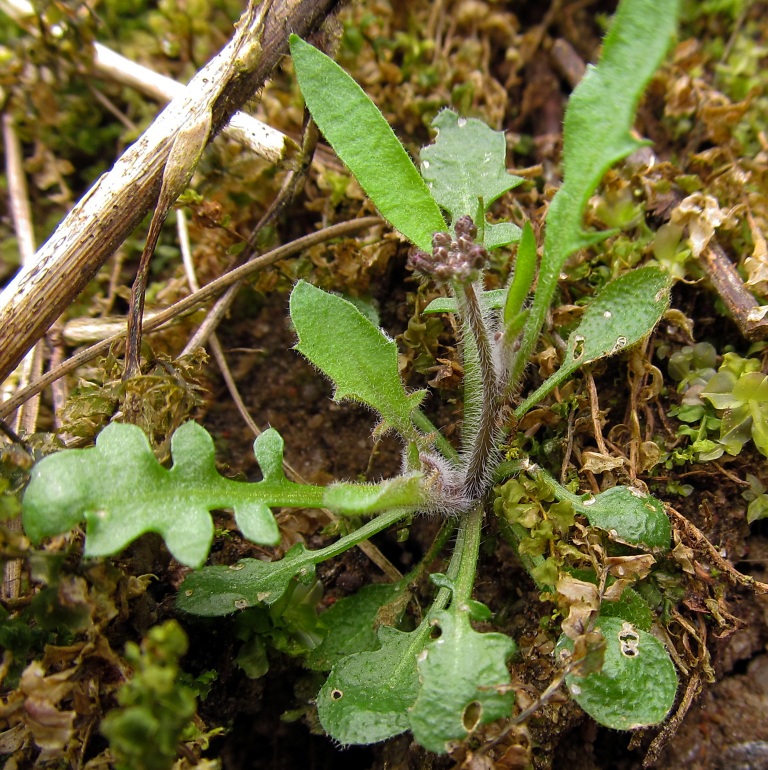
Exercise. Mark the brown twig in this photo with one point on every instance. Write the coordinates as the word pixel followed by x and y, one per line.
pixel 700 539
pixel 743 307
pixel 190 303
pixel 115 205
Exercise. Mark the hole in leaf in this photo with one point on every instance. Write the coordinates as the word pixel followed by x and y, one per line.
pixel 621 342
pixel 470 717
pixel 436 632
pixel 578 348
pixel 336 694
pixel 629 640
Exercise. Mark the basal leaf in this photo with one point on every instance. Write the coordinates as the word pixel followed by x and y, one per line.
pixel 220 590
pixel 367 695
pixel 352 623
pixel 631 515
pixel 622 314
pixel 214 591
pixel 464 682
pixel 627 513
pixel 122 492
pixel 359 358
pixel 596 134
pixel 466 163
pixel 637 684
pixel 363 139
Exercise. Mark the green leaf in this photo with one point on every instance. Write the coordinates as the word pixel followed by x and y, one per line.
pixel 464 682
pixel 467 163
pixel 630 515
pixel 219 590
pixel 596 134
pixel 122 492
pixel 489 300
pixel 359 358
pixel 626 513
pixel 637 684
pixel 363 139
pixel 522 280
pixel 352 623
pixel 367 695
pixel 622 314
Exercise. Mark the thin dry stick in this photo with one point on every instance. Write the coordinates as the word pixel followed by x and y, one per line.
pixel 749 315
pixel 368 548
pixel 110 211
pixel 21 213
pixel 216 349
pixel 261 139
pixel 32 365
pixel 698 537
pixel 190 303
pixel 187 148
pixel 291 183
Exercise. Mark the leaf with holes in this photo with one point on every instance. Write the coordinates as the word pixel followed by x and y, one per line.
pixel 623 313
pixel 637 684
pixel 466 164
pixel 360 359
pixel 464 682
pixel 367 695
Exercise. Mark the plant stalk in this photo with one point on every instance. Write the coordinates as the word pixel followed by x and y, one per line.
pixel 484 445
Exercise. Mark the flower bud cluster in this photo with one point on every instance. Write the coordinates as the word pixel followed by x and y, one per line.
pixel 459 260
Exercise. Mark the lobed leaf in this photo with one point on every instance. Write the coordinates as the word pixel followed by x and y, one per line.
pixel 363 139
pixel 637 684
pixel 465 164
pixel 464 682
pixel 122 492
pixel 360 359
pixel 623 313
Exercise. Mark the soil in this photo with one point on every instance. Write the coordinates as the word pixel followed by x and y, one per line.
pixel 721 631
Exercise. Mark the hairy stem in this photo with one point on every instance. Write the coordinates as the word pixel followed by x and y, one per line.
pixel 483 447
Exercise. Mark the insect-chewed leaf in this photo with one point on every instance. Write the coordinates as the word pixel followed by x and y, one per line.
pixel 622 314
pixel 363 139
pixel 360 359
pixel 467 162
pixel 637 684
pixel 367 695
pixel 464 682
